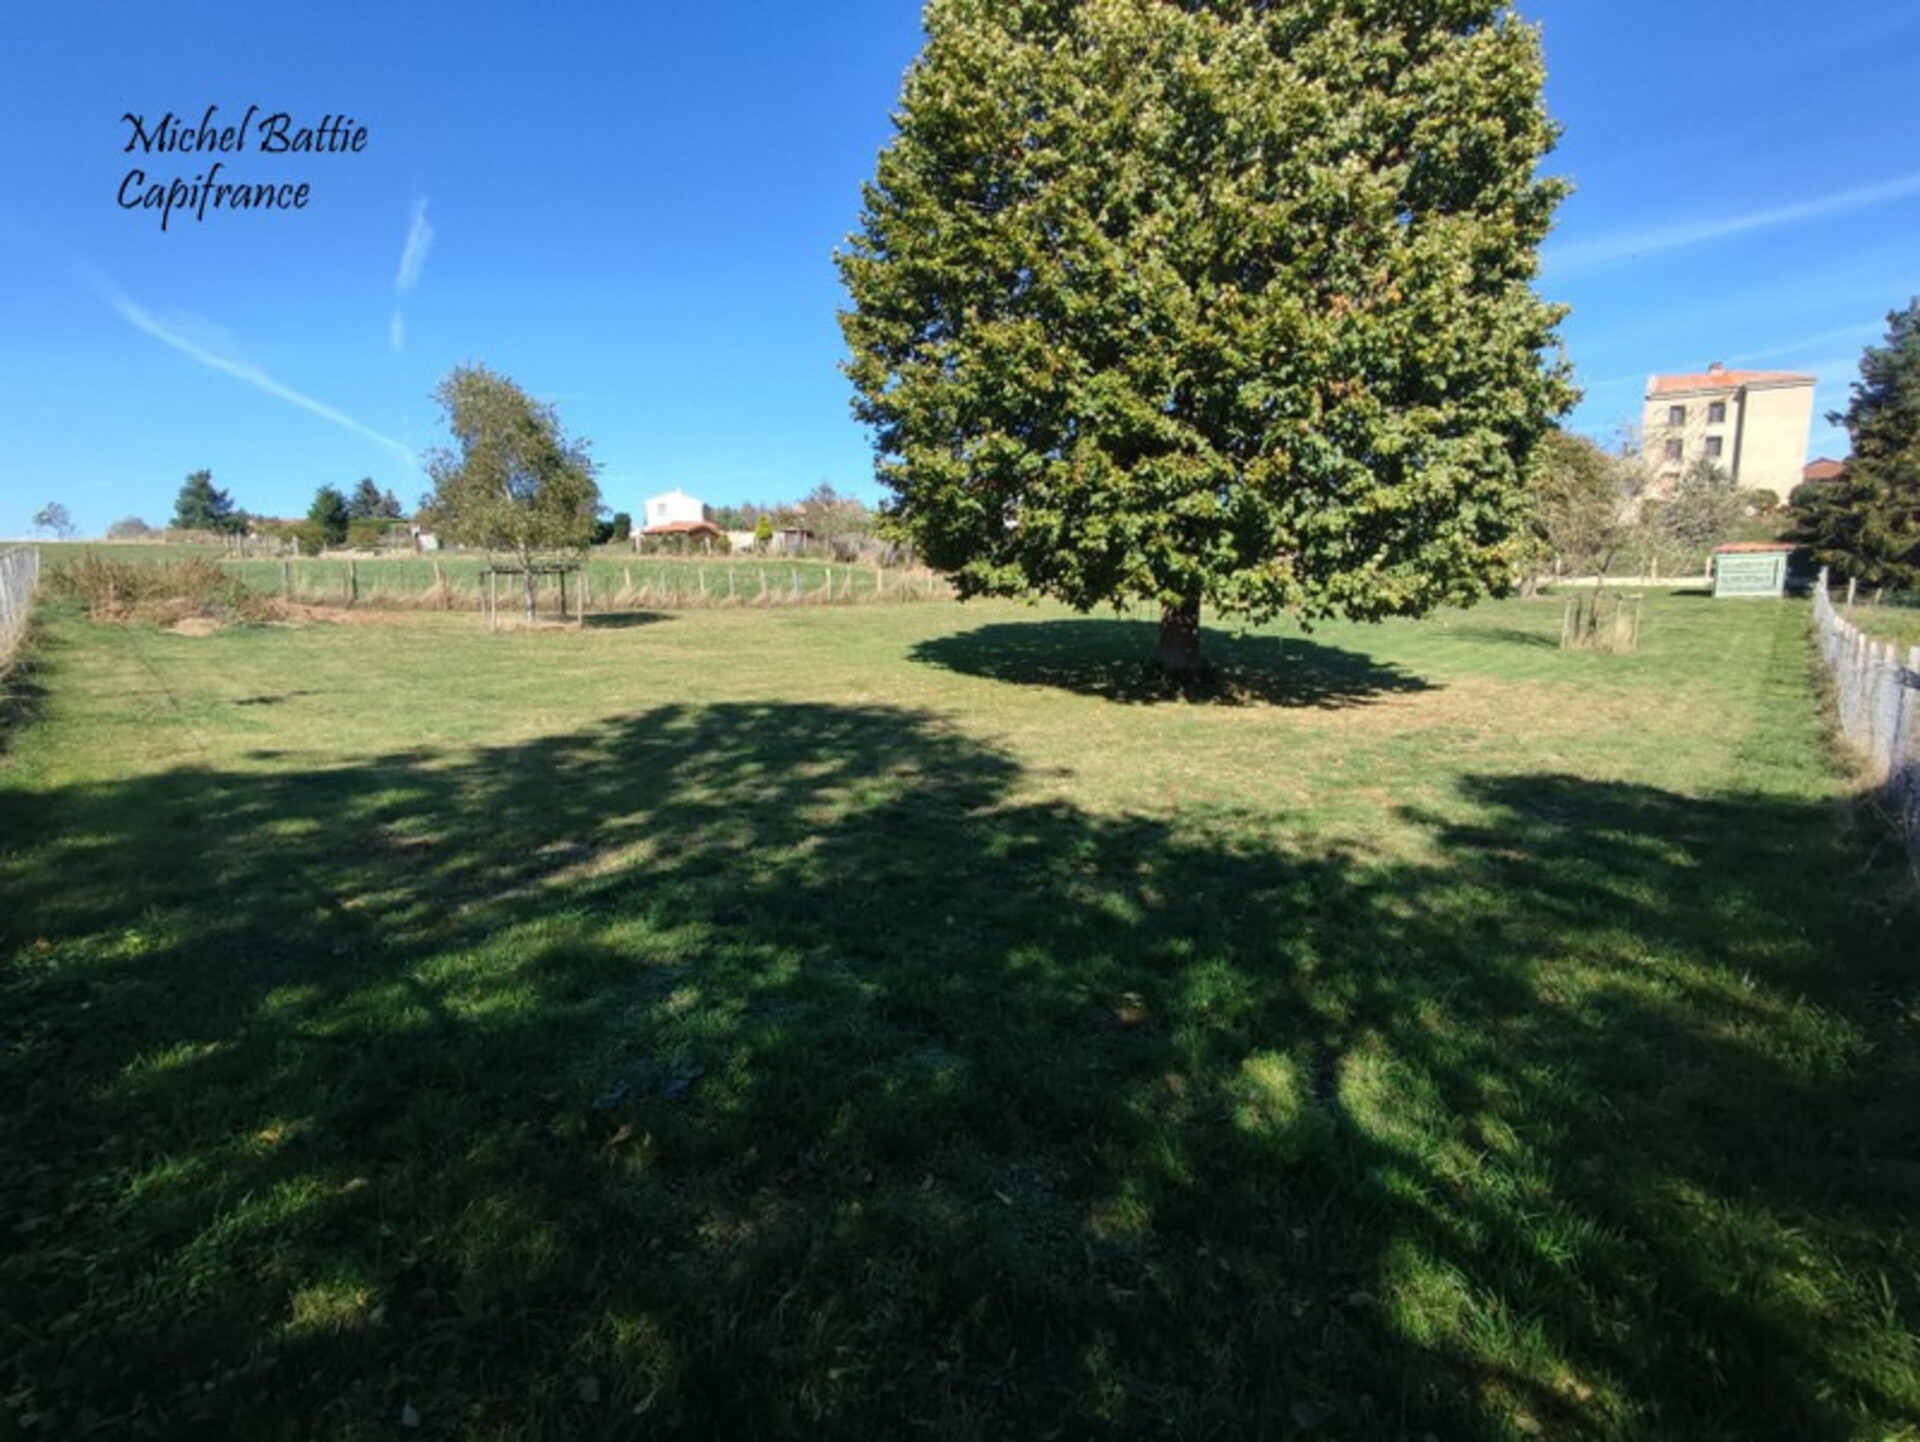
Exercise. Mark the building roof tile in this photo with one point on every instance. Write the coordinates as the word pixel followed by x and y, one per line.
pixel 1717 377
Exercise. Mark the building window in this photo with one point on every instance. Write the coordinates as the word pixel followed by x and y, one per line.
pixel 1673 450
pixel 1716 413
pixel 1713 448
pixel 1676 415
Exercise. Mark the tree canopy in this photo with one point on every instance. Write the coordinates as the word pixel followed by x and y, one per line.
pixel 836 521
pixel 1705 508
pixel 369 503
pixel 1867 524
pixel 55 517
pixel 201 506
pixel 327 518
pixel 1584 500
pixel 513 482
pixel 1228 303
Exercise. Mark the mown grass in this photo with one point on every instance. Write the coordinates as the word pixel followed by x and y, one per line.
pixel 616 578
pixel 888 1021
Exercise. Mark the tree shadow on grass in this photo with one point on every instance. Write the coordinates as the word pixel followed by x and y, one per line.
pixel 1506 636
pixel 1113 660
pixel 22 694
pixel 768 1070
pixel 622 620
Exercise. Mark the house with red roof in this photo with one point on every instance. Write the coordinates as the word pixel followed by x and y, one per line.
pixel 1752 424
pixel 676 520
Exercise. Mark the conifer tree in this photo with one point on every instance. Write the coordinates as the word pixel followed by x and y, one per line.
pixel 1868 525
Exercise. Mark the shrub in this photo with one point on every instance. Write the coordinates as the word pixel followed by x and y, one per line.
pixel 165 592
pixel 368 534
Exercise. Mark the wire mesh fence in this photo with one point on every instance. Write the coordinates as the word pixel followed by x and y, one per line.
pixel 19 575
pixel 458 582
pixel 1877 694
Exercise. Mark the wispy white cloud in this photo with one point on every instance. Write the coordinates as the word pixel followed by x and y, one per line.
pixel 413 257
pixel 1607 249
pixel 208 346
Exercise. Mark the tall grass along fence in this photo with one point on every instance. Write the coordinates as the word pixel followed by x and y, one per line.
pixel 19 575
pixel 1878 696
pixel 597 585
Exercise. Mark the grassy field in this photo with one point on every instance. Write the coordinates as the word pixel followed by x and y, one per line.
pixel 887 1021
pixel 1898 624
pixel 616 579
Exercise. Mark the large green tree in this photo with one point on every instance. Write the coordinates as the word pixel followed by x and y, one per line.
pixel 202 506
pixel 1867 524
pixel 1223 303
pixel 513 482
pixel 327 517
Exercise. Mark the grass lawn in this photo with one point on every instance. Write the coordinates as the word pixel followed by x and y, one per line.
pixel 1898 624
pixel 896 1021
pixel 452 579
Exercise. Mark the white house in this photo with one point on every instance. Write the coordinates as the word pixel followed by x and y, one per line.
pixel 672 508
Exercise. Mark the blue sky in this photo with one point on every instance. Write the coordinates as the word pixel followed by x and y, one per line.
pixel 632 210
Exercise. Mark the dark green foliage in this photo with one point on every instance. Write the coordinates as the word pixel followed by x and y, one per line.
pixel 622 529
pixel 1808 494
pixel 369 503
pixel 328 516
pixel 1866 525
pixel 1226 303
pixel 201 506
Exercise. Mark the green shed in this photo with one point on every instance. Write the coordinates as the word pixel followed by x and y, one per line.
pixel 1750 568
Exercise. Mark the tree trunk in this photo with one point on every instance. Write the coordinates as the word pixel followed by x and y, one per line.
pixel 526 575
pixel 1180 639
